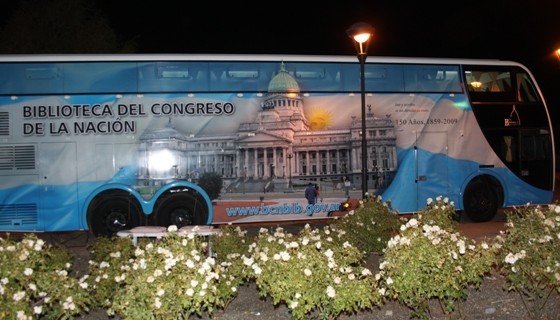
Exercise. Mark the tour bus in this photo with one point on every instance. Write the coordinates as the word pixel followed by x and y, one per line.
pixel 110 142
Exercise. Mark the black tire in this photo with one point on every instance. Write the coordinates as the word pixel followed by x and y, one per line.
pixel 179 209
pixel 480 201
pixel 110 215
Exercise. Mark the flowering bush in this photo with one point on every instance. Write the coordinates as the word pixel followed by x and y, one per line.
pixel 316 273
pixel 230 240
pixel 107 255
pixel 369 227
pixel 35 281
pixel 427 261
pixel 440 212
pixel 529 256
pixel 310 272
pixel 170 277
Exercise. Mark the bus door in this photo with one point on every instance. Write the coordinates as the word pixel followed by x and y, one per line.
pixel 526 152
pixel 59 189
pixel 431 167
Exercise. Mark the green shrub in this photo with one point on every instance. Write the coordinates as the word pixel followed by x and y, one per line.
pixel 368 227
pixel 530 257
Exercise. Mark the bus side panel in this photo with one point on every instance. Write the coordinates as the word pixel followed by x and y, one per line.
pixel 19 207
pixel 59 188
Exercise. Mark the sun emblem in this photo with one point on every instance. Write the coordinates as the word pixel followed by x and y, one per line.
pixel 319 119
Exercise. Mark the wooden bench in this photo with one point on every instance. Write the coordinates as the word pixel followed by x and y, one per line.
pixel 159 232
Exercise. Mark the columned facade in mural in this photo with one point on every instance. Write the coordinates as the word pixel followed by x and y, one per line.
pixel 280 145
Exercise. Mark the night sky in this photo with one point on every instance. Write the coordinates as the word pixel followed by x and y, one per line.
pixel 519 30
pixel 523 31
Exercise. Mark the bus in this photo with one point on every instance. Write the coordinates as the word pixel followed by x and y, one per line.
pixel 107 142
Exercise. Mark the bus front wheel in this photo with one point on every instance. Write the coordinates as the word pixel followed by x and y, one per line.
pixel 480 201
pixel 112 214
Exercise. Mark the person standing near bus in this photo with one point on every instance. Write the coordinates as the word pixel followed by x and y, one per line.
pixel 317 194
pixel 311 194
pixel 346 184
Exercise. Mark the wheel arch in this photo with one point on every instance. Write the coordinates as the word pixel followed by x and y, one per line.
pixel 493 181
pixel 194 191
pixel 109 190
pixel 482 197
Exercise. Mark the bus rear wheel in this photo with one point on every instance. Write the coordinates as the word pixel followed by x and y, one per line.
pixel 480 201
pixel 112 214
pixel 180 209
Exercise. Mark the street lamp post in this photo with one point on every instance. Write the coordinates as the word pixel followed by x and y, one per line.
pixel 362 33
pixel 290 156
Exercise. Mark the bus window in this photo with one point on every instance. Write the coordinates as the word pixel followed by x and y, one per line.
pixel 431 78
pixel 490 84
pixel 316 77
pixel 488 81
pixel 172 77
pixel 526 91
pixel 384 78
pixel 239 77
pixel 100 77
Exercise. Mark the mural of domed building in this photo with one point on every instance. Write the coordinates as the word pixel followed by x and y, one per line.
pixel 286 145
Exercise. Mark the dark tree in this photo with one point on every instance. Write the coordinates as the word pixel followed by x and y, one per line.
pixel 59 26
pixel 211 182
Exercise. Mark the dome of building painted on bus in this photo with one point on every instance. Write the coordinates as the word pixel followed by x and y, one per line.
pixel 283 82
pixel 166 133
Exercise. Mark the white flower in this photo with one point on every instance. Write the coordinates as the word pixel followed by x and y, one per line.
pixel 293 304
pixel 28 271
pixel 172 228
pixel 412 223
pixel 285 256
pixel 189 292
pixel 307 272
pixel 157 303
pixel 189 263
pixel 389 280
pixel 331 293
pixel 257 269
pixel 69 304
pixel 18 295
pixel 38 309
pixel 293 244
pixel 247 261
pixel 512 258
